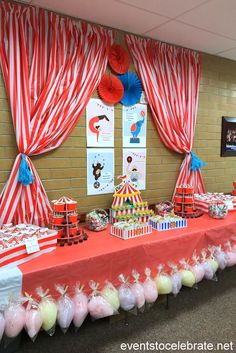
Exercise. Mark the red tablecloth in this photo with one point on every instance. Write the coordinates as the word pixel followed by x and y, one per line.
pixel 104 256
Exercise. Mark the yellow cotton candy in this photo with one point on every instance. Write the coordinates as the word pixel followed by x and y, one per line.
pixel 187 277
pixel 214 265
pixel 49 313
pixel 111 296
pixel 164 284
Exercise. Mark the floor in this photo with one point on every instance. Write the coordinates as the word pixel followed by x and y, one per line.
pixel 206 314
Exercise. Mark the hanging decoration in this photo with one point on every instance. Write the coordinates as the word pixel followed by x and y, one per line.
pixel 110 89
pixel 132 88
pixel 118 59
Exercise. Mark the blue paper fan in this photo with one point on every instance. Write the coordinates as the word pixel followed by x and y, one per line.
pixel 132 88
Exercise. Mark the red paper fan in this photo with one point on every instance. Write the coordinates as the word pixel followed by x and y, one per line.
pixel 118 59
pixel 111 89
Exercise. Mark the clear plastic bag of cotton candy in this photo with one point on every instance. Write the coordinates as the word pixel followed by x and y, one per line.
pixel 197 268
pixel 48 308
pixel 138 291
pixel 80 300
pixel 65 308
pixel 210 265
pixel 14 315
pixel 126 295
pixel 110 293
pixel 163 281
pixel 2 323
pixel 220 256
pixel 175 278
pixel 98 306
pixel 186 273
pixel 230 254
pixel 149 288
pixel 33 318
pixel 233 241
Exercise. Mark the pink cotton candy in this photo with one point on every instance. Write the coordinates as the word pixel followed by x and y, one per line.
pixel 230 258
pixel 221 259
pixel 81 308
pixel 199 272
pixel 150 291
pixel 33 321
pixel 98 307
pixel 65 311
pixel 138 292
pixel 176 283
pixel 209 274
pixel 14 319
pixel 2 325
pixel 127 297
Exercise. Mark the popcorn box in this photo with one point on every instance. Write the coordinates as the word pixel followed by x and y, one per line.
pixel 166 225
pixel 131 233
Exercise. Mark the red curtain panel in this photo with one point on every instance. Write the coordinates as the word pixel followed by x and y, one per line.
pixel 171 76
pixel 51 66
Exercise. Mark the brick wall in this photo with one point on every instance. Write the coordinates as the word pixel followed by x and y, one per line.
pixel 63 171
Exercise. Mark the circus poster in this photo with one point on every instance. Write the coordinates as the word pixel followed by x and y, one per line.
pixel 134 125
pixel 99 124
pixel 134 166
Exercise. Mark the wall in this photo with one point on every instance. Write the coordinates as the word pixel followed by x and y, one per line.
pixel 63 171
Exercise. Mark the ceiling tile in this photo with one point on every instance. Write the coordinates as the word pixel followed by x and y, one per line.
pixel 169 8
pixel 217 16
pixel 106 12
pixel 229 54
pixel 191 37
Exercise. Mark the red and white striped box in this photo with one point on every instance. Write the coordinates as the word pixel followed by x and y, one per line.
pixel 17 254
pixel 203 201
pixel 131 233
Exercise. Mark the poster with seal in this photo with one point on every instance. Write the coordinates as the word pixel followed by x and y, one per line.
pixel 100 171
pixel 134 125
pixel 134 166
pixel 99 124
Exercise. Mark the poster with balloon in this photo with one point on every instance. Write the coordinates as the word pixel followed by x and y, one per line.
pixel 100 171
pixel 134 125
pixel 99 124
pixel 134 166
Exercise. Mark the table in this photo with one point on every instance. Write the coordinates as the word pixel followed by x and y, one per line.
pixel 103 256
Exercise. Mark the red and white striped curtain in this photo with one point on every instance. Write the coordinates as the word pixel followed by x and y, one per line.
pixel 51 66
pixel 171 76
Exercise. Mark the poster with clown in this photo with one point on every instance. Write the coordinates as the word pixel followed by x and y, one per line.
pixel 99 124
pixel 134 166
pixel 134 125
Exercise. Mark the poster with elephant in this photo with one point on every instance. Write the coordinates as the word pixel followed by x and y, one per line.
pixel 134 125
pixel 100 171
pixel 134 166
pixel 99 124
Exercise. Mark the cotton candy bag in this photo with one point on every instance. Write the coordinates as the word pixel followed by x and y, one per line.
pixel 197 269
pixel 230 255
pixel 209 272
pixel 126 295
pixel 14 317
pixel 220 257
pixel 33 318
pixel 80 300
pixel 138 291
pixel 149 288
pixel 110 293
pixel 48 308
pixel 2 325
pixel 175 278
pixel 187 276
pixel 65 308
pixel 98 307
pixel 163 281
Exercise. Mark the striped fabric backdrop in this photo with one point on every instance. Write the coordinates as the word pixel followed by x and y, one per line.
pixel 171 76
pixel 51 66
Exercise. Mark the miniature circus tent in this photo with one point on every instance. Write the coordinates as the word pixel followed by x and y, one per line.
pixel 126 194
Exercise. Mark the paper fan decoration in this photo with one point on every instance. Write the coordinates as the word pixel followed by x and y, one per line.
pixel 132 88
pixel 118 59
pixel 110 89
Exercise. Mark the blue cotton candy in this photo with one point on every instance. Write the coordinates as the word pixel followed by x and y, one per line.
pixel 25 175
pixel 196 163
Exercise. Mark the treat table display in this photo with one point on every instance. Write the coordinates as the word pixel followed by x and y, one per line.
pixel 104 257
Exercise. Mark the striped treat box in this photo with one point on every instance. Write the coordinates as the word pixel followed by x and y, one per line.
pixel 164 225
pixel 203 201
pixel 131 233
pixel 17 254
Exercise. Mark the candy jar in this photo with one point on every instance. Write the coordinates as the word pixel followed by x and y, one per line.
pixel 149 288
pixel 110 293
pixel 187 276
pixel 175 278
pixel 80 300
pixel 98 307
pixel 34 318
pixel 48 308
pixel 138 291
pixel 163 281
pixel 65 308
pixel 126 295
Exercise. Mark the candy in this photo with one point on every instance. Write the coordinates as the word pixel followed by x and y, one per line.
pixel 14 319
pixel 80 300
pixel 33 320
pixel 110 293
